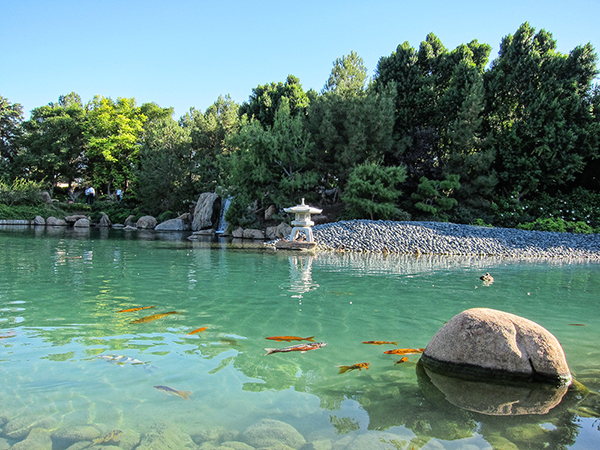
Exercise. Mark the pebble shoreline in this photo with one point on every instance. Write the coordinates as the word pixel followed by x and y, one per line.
pixel 440 238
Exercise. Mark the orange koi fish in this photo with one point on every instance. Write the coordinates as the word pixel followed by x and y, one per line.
pixel 380 342
pixel 405 351
pixel 359 366
pixel 401 360
pixel 8 336
pixel 577 324
pixel 199 330
pixel 290 338
pixel 136 309
pixel 302 348
pixel 168 390
pixel 153 317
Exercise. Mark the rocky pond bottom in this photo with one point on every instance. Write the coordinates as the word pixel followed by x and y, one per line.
pixel 149 341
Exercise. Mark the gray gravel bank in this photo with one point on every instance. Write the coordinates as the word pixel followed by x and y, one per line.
pixel 440 238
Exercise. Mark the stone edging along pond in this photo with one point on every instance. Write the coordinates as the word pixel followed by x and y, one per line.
pixel 441 238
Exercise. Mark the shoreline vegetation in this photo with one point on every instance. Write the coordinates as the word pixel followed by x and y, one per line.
pixel 438 239
pixel 435 134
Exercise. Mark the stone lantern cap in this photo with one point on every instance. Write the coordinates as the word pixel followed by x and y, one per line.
pixel 303 212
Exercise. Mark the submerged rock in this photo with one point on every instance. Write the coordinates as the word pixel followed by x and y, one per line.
pixel 72 434
pixel 165 437
pixel 129 439
pixel 213 435
pixel 371 441
pixel 272 433
pixel 38 439
pixel 236 445
pixel 482 343
pixel 20 427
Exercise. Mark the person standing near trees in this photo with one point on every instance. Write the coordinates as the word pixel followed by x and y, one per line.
pixel 119 195
pixel 90 193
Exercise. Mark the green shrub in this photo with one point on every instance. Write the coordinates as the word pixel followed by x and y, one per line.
pixel 557 225
pixel 20 192
pixel 74 207
pixel 116 212
pixel 579 227
pixel 28 212
pixel 480 223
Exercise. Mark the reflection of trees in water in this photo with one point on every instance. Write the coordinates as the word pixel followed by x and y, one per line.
pixel 344 425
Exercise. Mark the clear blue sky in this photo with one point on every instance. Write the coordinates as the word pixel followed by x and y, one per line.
pixel 185 53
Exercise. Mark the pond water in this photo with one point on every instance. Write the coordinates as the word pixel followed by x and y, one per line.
pixel 69 360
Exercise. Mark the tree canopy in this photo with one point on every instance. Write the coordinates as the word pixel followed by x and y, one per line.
pixel 437 134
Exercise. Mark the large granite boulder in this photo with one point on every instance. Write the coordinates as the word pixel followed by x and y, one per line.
pixel 283 230
pixel 146 223
pixel 104 220
pixel 270 212
pixel 207 211
pixel 82 223
pixel 129 222
pixel 173 225
pixel 482 343
pixel 54 222
pixel 250 233
pixel 39 220
pixel 46 197
pixel 74 218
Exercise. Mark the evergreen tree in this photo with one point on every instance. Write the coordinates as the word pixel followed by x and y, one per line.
pixel 209 133
pixel 164 177
pixel 539 113
pixel 434 197
pixel 372 192
pixel 270 165
pixel 265 100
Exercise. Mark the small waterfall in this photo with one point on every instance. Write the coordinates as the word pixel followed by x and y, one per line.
pixel 222 222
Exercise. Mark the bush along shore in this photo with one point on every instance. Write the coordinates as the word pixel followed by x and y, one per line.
pixel 441 238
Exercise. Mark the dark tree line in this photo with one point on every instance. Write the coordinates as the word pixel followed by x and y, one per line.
pixel 435 134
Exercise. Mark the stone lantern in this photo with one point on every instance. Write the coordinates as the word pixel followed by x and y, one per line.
pixel 302 222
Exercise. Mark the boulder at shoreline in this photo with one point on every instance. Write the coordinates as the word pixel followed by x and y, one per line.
pixel 487 344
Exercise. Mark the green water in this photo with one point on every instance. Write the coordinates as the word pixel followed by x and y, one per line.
pixel 61 290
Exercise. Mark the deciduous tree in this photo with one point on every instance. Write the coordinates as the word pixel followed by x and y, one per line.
pixel 11 116
pixel 113 132
pixel 54 141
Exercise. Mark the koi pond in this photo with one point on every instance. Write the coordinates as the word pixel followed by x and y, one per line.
pixel 82 365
